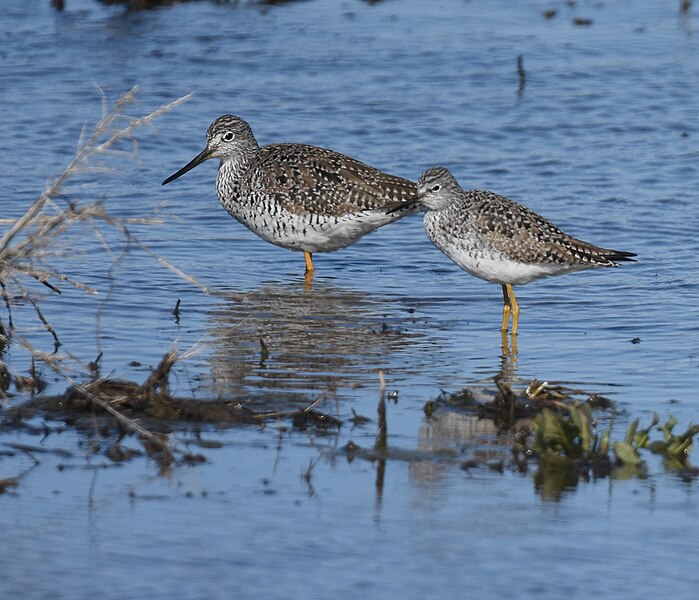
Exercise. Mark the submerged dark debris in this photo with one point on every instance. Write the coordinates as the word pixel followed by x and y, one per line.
pixel 559 431
pixel 510 406
pixel 109 409
pixel 564 434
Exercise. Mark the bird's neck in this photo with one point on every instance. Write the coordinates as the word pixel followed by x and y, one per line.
pixel 231 170
pixel 439 205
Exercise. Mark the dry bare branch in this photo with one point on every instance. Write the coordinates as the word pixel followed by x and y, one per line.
pixel 33 242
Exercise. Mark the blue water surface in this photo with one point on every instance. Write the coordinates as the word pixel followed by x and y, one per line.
pixel 601 139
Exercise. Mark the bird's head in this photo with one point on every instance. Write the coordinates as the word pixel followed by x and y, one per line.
pixel 437 188
pixel 228 138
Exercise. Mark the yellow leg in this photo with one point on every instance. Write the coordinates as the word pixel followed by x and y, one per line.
pixel 309 262
pixel 505 308
pixel 505 343
pixel 514 307
pixel 509 308
pixel 508 350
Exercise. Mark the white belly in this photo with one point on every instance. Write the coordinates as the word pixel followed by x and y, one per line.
pixel 310 233
pixel 477 255
pixel 498 269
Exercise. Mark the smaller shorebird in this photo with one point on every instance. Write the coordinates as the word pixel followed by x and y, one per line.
pixel 299 197
pixel 501 241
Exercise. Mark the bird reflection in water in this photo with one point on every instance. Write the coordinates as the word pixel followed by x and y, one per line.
pixel 279 346
pixel 490 425
pixel 449 432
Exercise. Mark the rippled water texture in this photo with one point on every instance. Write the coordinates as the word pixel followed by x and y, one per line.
pixel 601 139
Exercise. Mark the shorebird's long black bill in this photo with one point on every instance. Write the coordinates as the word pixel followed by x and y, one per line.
pixel 409 205
pixel 197 160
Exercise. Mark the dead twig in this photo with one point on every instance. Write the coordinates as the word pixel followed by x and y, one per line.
pixel 521 73
pixel 6 299
pixel 158 378
pixel 382 434
pixel 329 390
pixel 28 297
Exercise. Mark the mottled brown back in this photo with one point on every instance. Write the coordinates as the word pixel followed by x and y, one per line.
pixel 307 179
pixel 522 235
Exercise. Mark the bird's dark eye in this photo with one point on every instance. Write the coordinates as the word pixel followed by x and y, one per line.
pixel 228 136
pixel 436 188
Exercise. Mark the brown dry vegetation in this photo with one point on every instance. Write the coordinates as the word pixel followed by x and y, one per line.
pixel 32 245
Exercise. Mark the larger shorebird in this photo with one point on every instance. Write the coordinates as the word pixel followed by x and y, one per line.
pixel 501 241
pixel 299 197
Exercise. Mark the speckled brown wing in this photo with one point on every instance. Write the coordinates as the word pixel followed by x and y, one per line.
pixel 307 179
pixel 522 235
